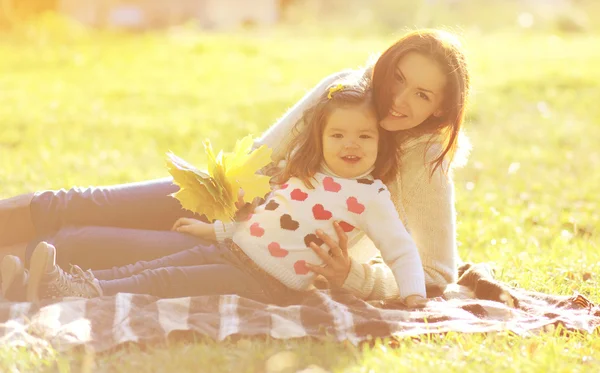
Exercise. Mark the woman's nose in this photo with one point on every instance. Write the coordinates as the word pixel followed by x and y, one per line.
pixel 400 98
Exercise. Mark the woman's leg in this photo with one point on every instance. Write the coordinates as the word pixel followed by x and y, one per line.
pixel 175 282
pixel 15 220
pixel 142 205
pixel 107 247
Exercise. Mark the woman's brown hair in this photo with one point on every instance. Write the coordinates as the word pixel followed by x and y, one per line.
pixel 445 49
pixel 305 152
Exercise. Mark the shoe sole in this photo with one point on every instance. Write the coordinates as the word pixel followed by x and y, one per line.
pixel 37 270
pixel 11 268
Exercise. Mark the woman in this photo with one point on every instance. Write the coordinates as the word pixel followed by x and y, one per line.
pixel 420 85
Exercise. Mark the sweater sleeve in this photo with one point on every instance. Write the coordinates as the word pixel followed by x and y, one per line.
pixel 280 134
pixel 428 202
pixel 224 231
pixel 382 224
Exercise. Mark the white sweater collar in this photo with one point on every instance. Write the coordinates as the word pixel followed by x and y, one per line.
pixel 327 171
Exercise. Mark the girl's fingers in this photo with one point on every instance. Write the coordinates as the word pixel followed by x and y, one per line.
pixel 333 246
pixel 183 229
pixel 181 222
pixel 176 224
pixel 322 254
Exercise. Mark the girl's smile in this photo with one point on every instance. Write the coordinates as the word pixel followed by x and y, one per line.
pixel 351 140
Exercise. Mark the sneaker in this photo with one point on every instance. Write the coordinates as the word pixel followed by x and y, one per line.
pixel 49 281
pixel 14 279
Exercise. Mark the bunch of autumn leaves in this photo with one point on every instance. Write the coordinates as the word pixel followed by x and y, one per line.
pixel 214 193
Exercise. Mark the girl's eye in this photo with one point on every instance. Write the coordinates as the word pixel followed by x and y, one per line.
pixel 365 136
pixel 337 135
pixel 423 96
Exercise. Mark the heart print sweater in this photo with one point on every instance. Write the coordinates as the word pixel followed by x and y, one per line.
pixel 277 235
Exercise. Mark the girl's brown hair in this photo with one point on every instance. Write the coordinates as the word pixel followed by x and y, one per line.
pixel 305 152
pixel 445 49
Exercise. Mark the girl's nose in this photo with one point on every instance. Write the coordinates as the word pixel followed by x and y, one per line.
pixel 351 144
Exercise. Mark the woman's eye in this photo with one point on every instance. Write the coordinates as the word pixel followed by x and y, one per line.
pixel 365 137
pixel 337 135
pixel 423 96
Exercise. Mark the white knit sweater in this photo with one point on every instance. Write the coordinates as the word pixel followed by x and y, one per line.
pixel 278 234
pixel 425 204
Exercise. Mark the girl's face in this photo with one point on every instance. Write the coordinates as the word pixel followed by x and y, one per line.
pixel 418 92
pixel 350 140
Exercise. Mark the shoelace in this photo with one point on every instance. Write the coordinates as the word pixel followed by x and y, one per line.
pixel 75 282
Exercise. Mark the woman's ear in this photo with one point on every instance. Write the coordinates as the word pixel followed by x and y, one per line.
pixel 438 113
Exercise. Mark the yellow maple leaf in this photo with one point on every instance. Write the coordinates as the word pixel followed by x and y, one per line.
pixel 215 192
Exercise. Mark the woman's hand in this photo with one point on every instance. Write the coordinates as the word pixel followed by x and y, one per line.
pixel 415 301
pixel 337 262
pixel 196 228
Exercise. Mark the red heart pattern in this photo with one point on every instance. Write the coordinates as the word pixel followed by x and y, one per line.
pixel 301 268
pixel 256 230
pixel 276 250
pixel 330 185
pixel 320 213
pixel 346 227
pixel 298 195
pixel 355 206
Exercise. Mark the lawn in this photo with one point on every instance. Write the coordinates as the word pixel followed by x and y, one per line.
pixel 82 108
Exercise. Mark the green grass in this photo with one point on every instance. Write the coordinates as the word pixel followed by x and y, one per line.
pixel 83 108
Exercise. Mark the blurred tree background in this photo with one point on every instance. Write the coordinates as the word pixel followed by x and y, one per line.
pixel 353 16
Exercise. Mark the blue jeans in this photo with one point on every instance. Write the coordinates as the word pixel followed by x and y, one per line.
pixel 202 270
pixel 103 227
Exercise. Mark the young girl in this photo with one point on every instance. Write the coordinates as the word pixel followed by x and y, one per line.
pixel 336 170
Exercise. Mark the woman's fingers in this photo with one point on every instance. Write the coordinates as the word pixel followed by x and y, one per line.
pixel 323 271
pixel 342 238
pixel 322 254
pixel 333 246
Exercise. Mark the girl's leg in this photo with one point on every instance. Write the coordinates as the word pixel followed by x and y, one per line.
pixel 47 280
pixel 198 255
pixel 106 247
pixel 175 282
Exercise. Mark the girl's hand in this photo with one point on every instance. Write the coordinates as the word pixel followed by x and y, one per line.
pixel 337 263
pixel 244 209
pixel 196 228
pixel 415 301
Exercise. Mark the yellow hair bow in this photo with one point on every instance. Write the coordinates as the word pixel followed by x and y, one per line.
pixel 333 90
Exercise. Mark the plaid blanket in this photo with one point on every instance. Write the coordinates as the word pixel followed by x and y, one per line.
pixel 476 304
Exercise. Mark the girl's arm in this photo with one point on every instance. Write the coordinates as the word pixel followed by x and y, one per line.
pixel 279 135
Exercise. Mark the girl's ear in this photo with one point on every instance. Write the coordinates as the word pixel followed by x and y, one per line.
pixel 438 113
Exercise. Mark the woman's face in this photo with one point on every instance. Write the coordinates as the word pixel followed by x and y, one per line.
pixel 418 92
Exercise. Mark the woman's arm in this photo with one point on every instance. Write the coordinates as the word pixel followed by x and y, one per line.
pixel 426 205
pixel 279 135
pixel 381 222
pixel 430 216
